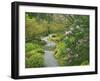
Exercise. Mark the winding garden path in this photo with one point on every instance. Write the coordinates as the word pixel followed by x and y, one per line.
pixel 49 58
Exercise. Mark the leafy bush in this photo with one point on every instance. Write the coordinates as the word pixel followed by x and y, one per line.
pixel 74 48
pixel 34 55
pixel 61 54
pixel 39 50
pixel 29 54
pixel 32 46
pixel 29 47
pixel 36 60
pixel 56 37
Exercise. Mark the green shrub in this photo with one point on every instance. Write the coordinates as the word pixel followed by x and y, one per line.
pixel 28 47
pixel 61 53
pixel 39 50
pixel 29 54
pixel 34 55
pixel 56 37
pixel 32 46
pixel 36 60
pixel 62 61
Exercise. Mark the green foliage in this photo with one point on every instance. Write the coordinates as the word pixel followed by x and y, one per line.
pixel 36 60
pixel 74 48
pixel 38 41
pixel 60 53
pixel 32 46
pixel 56 37
pixel 42 24
pixel 34 55
pixel 56 27
pixel 85 63
pixel 34 28
pixel 29 47
pixel 71 49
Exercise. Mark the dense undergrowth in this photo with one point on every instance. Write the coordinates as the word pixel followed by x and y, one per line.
pixel 70 33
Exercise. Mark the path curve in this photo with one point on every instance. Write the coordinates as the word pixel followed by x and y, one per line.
pixel 49 59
